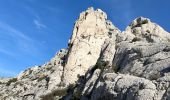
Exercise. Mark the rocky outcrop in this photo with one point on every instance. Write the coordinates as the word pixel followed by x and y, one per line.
pixel 36 83
pixel 89 34
pixel 101 63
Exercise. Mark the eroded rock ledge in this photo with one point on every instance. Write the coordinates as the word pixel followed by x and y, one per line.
pixel 100 63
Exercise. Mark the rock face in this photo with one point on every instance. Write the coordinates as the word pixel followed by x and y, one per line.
pixel 36 83
pixel 101 63
pixel 89 34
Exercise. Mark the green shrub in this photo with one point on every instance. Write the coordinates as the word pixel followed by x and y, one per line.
pixel 42 77
pixel 11 81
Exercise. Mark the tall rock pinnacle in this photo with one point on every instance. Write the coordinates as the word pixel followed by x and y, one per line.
pixel 89 34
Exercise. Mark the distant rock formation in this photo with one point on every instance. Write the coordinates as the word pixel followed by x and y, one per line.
pixel 100 63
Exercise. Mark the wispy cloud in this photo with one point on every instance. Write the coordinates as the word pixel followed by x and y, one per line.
pixel 39 24
pixel 37 21
pixel 17 46
pixel 4 72
pixel 22 42
pixel 14 32
pixel 4 51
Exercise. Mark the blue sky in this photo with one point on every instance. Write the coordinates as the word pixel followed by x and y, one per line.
pixel 32 31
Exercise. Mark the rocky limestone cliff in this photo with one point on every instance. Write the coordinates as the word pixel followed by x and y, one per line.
pixel 100 63
pixel 90 32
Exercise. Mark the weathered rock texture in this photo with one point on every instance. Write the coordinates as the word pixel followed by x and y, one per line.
pixel 89 34
pixel 101 63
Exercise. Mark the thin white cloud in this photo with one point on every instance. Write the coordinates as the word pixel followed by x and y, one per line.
pixel 4 51
pixel 4 72
pixel 39 24
pixel 17 45
pixel 37 20
pixel 23 43
pixel 14 32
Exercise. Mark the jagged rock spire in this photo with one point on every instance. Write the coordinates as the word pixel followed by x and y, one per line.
pixel 89 33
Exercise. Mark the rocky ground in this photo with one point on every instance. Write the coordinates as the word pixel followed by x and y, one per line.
pixel 100 63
